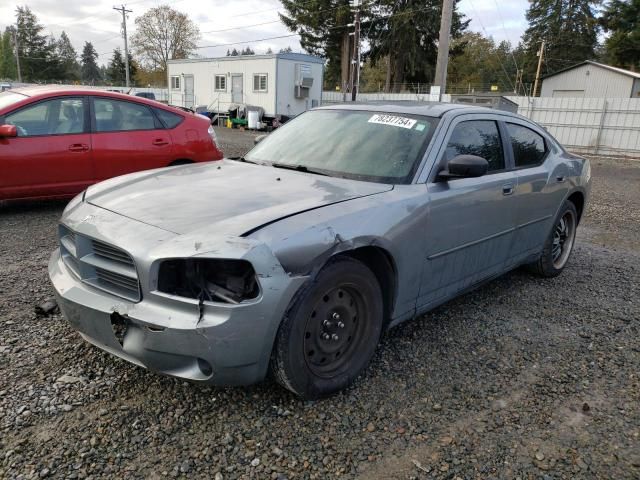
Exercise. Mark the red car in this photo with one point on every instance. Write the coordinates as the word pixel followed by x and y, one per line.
pixel 55 142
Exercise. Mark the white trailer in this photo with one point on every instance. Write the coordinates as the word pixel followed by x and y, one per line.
pixel 284 84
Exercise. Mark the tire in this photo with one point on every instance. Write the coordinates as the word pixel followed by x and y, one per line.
pixel 330 331
pixel 559 244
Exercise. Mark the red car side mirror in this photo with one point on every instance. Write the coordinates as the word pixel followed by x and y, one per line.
pixel 8 131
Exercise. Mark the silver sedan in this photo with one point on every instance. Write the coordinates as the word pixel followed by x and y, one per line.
pixel 346 221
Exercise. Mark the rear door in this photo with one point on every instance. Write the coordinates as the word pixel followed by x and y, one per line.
pixel 541 186
pixel 51 156
pixel 471 220
pixel 127 137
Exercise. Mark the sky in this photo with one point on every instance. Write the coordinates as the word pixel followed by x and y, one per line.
pixel 98 23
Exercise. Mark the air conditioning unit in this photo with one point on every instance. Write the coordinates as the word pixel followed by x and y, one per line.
pixel 303 80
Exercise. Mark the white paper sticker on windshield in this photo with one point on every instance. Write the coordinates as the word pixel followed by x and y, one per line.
pixel 392 120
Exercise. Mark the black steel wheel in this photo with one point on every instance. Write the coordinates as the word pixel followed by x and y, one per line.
pixel 330 331
pixel 559 244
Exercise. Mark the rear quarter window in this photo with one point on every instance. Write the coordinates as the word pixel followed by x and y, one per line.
pixel 169 119
pixel 529 148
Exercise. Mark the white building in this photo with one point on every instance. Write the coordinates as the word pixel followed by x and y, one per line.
pixel 283 84
pixel 592 80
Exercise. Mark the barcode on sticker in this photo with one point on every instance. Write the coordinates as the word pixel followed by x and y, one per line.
pixel 392 120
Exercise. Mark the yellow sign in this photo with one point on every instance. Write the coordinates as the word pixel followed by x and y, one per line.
pixel 494 88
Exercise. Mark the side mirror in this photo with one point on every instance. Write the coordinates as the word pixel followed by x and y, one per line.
pixel 464 166
pixel 8 131
pixel 259 138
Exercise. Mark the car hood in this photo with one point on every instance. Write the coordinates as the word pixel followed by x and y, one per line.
pixel 227 197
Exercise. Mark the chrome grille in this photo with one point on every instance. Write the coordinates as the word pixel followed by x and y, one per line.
pixel 99 264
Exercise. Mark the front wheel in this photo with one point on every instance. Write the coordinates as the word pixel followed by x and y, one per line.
pixel 559 244
pixel 330 330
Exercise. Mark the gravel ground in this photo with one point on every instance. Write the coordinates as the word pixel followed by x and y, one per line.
pixel 523 378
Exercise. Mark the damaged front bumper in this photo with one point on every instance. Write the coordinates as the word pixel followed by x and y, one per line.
pixel 211 342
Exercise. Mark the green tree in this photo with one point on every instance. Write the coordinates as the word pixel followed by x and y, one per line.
pixel 322 26
pixel 116 68
pixel 247 51
pixel 404 34
pixel 90 70
pixel 68 58
pixel 36 50
pixel 621 19
pixel 7 57
pixel 480 64
pixel 569 29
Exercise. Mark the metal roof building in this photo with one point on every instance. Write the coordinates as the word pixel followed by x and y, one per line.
pixel 592 80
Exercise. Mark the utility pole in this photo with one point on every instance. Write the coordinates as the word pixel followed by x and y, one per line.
pixel 443 46
pixel 540 55
pixel 15 40
pixel 124 12
pixel 354 82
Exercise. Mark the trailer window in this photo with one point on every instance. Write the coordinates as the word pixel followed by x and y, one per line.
pixel 221 83
pixel 260 82
pixel 175 82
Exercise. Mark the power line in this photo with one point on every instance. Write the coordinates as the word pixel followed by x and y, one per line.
pixel 487 34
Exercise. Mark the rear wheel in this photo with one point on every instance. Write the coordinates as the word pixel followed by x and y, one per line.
pixel 559 244
pixel 330 331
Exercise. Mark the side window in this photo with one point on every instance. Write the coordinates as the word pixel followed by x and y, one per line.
pixel 528 146
pixel 260 82
pixel 170 119
pixel 221 83
pixel 175 83
pixel 115 115
pixel 59 116
pixel 477 137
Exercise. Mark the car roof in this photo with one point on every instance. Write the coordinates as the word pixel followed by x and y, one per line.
pixel 411 107
pixel 48 90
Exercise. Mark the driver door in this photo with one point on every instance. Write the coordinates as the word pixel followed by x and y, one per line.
pixel 51 156
pixel 472 220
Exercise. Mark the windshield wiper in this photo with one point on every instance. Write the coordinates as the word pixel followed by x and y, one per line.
pixel 300 168
pixel 242 159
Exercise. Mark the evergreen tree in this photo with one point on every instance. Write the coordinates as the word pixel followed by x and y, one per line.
pixel 269 51
pixel 90 71
pixel 234 53
pixel 286 50
pixel 621 18
pixel 67 55
pixel 7 57
pixel 322 26
pixel 116 68
pixel 247 51
pixel 37 52
pixel 569 30
pixel 405 35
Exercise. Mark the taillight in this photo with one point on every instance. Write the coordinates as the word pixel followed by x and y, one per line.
pixel 212 134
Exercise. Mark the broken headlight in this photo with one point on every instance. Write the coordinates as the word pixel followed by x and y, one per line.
pixel 210 279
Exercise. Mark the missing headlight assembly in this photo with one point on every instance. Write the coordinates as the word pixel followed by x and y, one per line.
pixel 214 280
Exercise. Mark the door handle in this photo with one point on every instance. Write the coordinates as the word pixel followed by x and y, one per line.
pixel 560 178
pixel 507 189
pixel 78 147
pixel 160 142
